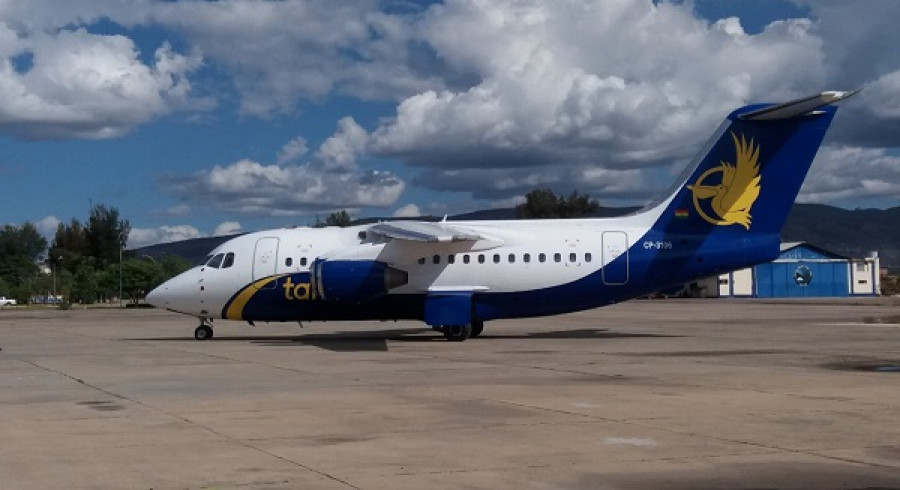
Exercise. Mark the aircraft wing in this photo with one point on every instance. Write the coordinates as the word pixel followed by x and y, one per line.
pixel 425 231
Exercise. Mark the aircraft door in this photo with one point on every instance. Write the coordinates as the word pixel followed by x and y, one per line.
pixel 265 259
pixel 615 258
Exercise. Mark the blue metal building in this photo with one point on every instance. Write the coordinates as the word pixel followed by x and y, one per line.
pixel 803 271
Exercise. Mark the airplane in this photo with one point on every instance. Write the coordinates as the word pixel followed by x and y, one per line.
pixel 724 213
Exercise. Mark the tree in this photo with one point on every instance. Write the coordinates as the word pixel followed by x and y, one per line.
pixel 577 206
pixel 20 250
pixel 539 203
pixel 172 265
pixel 139 277
pixel 106 235
pixel 69 247
pixel 85 287
pixel 543 203
pixel 338 218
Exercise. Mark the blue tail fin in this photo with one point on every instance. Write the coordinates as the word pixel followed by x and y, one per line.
pixel 751 171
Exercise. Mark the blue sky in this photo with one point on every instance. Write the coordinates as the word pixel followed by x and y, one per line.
pixel 196 118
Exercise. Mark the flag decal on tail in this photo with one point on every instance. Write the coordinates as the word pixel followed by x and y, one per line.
pixel 736 189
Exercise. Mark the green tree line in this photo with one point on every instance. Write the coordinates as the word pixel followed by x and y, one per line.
pixel 543 204
pixel 84 263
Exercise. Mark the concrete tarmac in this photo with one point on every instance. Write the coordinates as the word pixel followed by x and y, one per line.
pixel 675 394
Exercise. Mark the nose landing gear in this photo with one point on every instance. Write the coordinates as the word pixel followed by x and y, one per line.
pixel 204 331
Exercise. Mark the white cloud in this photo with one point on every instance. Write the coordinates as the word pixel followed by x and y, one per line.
pixel 332 180
pixel 500 184
pixel 292 151
pixel 341 150
pixel 408 211
pixel 492 97
pixel 178 210
pixel 47 227
pixel 248 187
pixel 84 85
pixel 851 176
pixel 227 228
pixel 281 53
pixel 140 237
pixel 885 95
pixel 547 92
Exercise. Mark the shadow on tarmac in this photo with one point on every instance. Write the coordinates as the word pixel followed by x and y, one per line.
pixel 377 340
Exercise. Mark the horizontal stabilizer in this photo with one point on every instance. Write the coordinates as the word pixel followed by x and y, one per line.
pixel 424 231
pixel 796 108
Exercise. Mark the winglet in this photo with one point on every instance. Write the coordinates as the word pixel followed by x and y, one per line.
pixel 796 108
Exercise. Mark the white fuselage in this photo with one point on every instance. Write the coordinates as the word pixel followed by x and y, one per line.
pixel 518 256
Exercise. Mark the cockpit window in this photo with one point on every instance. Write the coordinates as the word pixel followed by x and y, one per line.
pixel 206 260
pixel 229 260
pixel 216 261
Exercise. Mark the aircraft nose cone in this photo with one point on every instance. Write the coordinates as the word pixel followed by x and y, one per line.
pixel 161 295
pixel 156 297
pixel 181 293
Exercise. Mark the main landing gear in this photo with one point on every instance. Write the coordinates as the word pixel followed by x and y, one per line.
pixel 458 333
pixel 204 331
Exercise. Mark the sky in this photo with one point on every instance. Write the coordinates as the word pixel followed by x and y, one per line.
pixel 202 118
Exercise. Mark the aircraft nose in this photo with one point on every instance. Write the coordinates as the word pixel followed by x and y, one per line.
pixel 181 293
pixel 157 297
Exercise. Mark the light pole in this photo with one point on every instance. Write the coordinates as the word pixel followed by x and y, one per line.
pixel 58 263
pixel 122 238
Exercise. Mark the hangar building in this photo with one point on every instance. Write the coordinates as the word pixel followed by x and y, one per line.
pixel 801 271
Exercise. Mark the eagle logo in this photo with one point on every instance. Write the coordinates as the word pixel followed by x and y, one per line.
pixel 737 190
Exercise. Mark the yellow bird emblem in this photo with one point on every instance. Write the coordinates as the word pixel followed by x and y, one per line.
pixel 737 190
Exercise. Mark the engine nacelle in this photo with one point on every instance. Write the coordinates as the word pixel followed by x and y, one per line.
pixel 354 280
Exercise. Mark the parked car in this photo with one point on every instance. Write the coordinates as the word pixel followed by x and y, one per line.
pixel 7 302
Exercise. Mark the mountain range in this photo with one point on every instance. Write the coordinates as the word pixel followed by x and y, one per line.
pixel 851 233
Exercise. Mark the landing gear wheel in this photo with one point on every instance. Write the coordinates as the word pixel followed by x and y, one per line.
pixel 203 332
pixel 477 328
pixel 457 333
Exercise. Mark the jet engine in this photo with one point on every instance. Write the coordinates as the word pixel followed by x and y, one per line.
pixel 354 280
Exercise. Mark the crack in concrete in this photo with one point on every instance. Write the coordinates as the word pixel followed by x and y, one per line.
pixel 194 424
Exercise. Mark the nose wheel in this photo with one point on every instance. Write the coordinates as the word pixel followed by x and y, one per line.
pixel 203 332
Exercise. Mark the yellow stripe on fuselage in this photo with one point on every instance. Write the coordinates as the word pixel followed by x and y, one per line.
pixel 235 310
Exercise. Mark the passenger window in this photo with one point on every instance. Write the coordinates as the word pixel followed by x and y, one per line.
pixel 436 259
pixel 587 257
pixel 573 257
pixel 557 258
pixel 512 258
pixel 303 261
pixel 542 257
pixel 288 261
pixel 480 258
pixel 216 261
pixel 451 259
pixel 526 258
pixel 466 259
pixel 421 260
pixel 496 258
pixel 229 260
